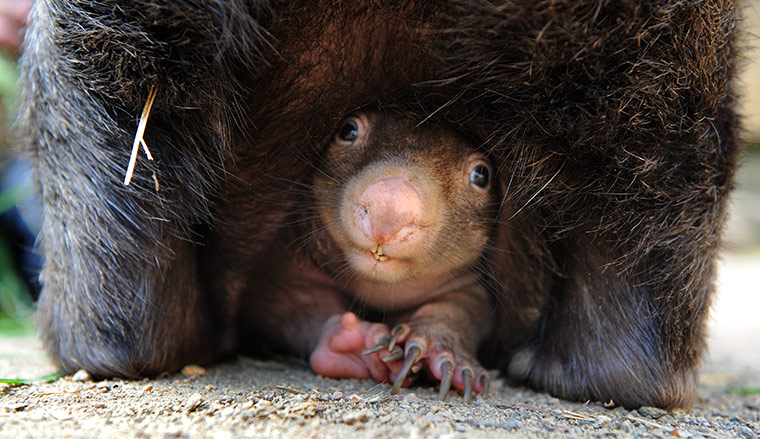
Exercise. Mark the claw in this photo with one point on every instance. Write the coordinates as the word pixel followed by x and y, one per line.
pixel 413 354
pixel 398 332
pixel 485 382
pixel 417 367
pixel 381 344
pixel 447 373
pixel 467 377
pixel 396 354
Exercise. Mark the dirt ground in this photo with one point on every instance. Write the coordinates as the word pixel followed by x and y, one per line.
pixel 252 398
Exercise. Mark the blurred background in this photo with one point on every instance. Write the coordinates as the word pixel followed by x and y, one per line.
pixel 743 234
pixel 734 355
pixel 734 345
pixel 19 216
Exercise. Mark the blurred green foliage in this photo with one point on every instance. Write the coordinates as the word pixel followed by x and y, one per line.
pixel 28 382
pixel 8 82
pixel 16 307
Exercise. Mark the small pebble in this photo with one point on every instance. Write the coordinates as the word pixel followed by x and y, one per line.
pixel 337 395
pixel 81 376
pixel 193 369
pixel 411 397
pixel 60 414
pixel 356 417
pixel 16 407
pixel 603 420
pixel 652 412
pixel 194 402
pixel 511 424
pixel 679 433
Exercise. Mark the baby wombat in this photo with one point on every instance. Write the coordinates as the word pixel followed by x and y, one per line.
pixel 402 215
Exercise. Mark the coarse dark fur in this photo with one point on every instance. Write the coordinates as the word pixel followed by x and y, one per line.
pixel 612 125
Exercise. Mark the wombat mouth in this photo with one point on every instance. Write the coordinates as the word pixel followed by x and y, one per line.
pixel 377 265
pixel 377 252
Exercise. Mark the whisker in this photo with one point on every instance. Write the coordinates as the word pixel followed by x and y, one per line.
pixel 538 192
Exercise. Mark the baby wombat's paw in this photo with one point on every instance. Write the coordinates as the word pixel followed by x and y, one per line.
pixel 445 357
pixel 340 351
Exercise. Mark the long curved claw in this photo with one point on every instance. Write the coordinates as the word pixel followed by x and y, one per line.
pixel 413 354
pixel 447 373
pixel 396 354
pixel 381 344
pixel 467 377
pixel 485 381
pixel 399 331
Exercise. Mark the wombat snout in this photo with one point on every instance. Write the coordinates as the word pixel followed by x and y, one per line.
pixel 389 209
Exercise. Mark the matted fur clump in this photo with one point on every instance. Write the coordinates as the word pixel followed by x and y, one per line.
pixel 611 126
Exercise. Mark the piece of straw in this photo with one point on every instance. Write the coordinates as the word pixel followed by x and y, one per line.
pixel 139 136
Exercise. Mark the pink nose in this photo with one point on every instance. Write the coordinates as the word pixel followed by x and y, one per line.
pixel 389 209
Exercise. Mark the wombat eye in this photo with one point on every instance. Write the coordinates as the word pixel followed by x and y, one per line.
pixel 352 131
pixel 349 131
pixel 480 176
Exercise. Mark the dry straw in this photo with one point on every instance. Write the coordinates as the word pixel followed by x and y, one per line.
pixel 139 138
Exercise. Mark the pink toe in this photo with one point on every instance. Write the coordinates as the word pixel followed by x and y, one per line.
pixel 349 321
pixel 346 341
pixel 458 382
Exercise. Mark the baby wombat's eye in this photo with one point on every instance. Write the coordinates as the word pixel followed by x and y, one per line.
pixel 352 131
pixel 349 131
pixel 478 172
pixel 480 176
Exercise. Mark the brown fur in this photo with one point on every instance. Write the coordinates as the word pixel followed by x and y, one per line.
pixel 611 124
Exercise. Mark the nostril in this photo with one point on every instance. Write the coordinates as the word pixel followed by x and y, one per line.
pixel 363 211
pixel 361 220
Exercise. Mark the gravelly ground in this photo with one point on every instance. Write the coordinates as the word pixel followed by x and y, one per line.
pixel 251 398
pixel 284 399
